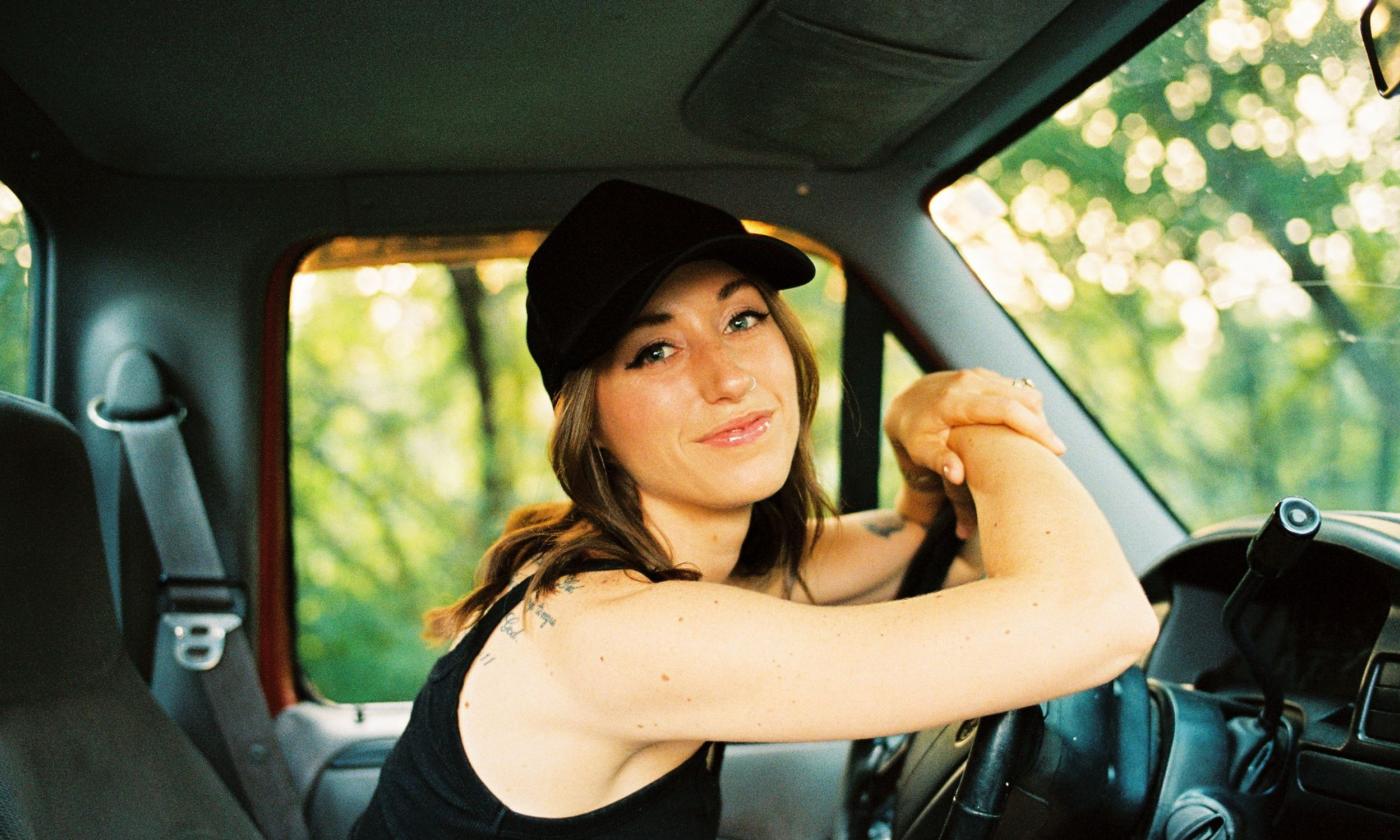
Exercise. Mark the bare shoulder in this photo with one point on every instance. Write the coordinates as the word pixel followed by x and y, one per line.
pixel 575 594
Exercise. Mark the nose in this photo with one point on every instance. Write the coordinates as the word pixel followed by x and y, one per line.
pixel 723 378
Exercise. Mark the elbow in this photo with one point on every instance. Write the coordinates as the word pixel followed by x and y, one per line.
pixel 1130 626
pixel 1140 622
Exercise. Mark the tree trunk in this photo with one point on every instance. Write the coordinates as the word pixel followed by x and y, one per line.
pixel 469 301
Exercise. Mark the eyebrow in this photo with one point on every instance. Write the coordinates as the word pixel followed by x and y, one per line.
pixel 655 318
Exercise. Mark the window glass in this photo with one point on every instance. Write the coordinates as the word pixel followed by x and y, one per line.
pixel 899 372
pixel 15 258
pixel 417 422
pixel 1204 246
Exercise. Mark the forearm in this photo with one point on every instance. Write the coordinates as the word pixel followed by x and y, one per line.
pixel 1035 519
pixel 923 507
pixel 917 506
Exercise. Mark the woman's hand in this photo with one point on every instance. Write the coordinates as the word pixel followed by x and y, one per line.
pixel 920 418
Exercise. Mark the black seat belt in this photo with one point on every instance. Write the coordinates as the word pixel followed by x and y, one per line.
pixel 200 621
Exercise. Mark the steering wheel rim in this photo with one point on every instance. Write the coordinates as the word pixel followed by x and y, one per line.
pixel 986 782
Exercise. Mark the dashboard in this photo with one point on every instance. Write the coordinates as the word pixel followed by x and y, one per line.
pixel 1330 632
pixel 1173 749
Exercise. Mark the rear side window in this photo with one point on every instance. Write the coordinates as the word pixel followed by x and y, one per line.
pixel 16 256
pixel 418 421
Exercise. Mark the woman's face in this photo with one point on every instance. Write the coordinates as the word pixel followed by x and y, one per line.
pixel 698 401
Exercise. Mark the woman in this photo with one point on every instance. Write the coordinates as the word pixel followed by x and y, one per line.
pixel 682 598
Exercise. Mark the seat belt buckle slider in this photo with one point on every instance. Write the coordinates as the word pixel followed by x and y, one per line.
pixel 199 594
pixel 199 637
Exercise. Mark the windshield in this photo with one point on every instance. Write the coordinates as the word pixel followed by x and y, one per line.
pixel 1204 246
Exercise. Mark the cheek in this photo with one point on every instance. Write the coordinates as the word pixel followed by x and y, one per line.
pixel 632 421
pixel 781 373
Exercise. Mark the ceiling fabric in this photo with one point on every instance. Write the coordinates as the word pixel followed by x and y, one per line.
pixel 266 88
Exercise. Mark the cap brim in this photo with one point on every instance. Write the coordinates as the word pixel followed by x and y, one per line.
pixel 774 261
pixel 767 258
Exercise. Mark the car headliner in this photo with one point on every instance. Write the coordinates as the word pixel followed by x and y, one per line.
pixel 266 89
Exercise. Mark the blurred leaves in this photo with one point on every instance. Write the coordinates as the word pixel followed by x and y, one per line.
pixel 1204 247
pixel 15 258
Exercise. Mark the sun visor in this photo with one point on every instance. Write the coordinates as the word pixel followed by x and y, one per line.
pixel 845 84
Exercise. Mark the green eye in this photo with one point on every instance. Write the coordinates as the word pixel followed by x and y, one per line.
pixel 651 354
pixel 746 320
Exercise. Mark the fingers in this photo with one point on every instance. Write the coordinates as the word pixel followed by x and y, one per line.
pixel 1007 411
pixel 929 465
pixel 921 417
pixel 952 468
pixel 987 383
pixel 964 511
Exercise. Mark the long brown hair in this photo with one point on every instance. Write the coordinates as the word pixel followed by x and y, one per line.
pixel 602 522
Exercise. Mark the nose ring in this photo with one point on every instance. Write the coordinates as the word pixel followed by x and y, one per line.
pixel 753 383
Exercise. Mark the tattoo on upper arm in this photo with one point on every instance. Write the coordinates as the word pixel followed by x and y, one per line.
pixel 546 620
pixel 884 525
pixel 511 626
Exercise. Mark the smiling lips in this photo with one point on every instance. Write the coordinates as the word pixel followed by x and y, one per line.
pixel 741 430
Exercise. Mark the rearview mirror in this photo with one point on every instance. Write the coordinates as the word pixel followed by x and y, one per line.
pixel 1380 32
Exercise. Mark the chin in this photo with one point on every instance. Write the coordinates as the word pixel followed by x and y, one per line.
pixel 755 486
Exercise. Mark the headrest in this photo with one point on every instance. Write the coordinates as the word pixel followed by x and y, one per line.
pixel 58 628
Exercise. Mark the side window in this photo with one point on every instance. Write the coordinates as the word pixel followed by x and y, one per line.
pixel 15 258
pixel 417 422
pixel 898 372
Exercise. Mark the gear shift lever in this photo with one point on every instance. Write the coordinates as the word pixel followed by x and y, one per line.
pixel 1278 545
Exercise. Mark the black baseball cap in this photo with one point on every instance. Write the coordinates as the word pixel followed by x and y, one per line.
pixel 595 271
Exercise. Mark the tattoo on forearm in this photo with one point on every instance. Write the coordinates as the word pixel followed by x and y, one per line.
pixel 885 525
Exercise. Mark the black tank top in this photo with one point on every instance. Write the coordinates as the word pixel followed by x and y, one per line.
pixel 428 789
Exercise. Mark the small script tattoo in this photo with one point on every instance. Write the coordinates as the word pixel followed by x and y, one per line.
pixel 884 525
pixel 511 626
pixel 487 658
pixel 546 620
pixel 568 583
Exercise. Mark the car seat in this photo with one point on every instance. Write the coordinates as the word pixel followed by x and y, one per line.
pixel 85 751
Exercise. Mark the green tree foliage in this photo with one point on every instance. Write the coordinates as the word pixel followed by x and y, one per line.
pixel 417 422
pixel 15 257
pixel 1203 245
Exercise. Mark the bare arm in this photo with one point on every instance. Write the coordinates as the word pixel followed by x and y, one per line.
pixel 862 558
pixel 1059 611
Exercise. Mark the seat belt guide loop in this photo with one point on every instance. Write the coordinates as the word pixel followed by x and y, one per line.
pixel 199 637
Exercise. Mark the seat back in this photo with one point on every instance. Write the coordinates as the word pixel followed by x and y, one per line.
pixel 85 751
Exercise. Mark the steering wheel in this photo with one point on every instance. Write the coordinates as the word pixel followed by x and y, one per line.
pixel 986 783
pixel 1084 760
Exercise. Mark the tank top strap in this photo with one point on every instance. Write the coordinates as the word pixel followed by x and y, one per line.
pixel 471 644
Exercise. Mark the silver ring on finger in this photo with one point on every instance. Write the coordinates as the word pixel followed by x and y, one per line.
pixel 1023 382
